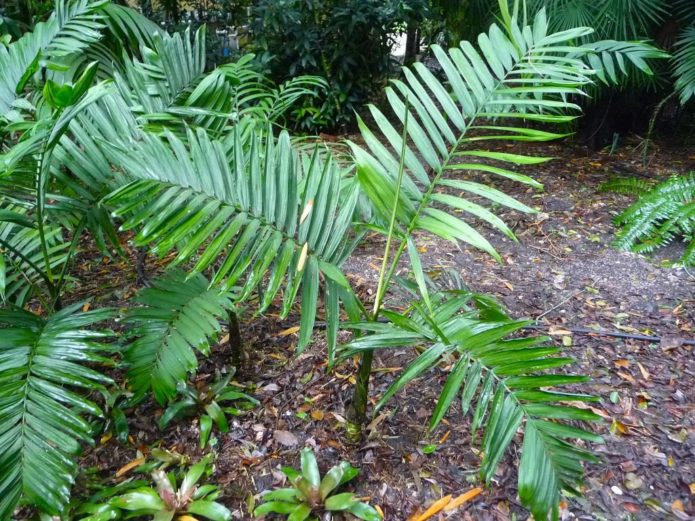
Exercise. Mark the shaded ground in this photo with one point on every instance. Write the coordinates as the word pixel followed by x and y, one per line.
pixel 564 271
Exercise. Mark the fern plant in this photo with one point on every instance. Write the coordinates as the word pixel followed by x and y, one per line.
pixel 661 214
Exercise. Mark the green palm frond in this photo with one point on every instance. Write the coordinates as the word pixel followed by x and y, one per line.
pixel 511 378
pixel 660 215
pixel 684 59
pixel 523 75
pixel 685 11
pixel 42 424
pixel 168 71
pixel 177 317
pixel 249 208
pixel 611 60
pixel 629 19
pixel 72 27
pixel 25 264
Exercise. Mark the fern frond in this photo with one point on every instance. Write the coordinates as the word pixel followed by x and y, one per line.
pixel 511 378
pixel 660 215
pixel 43 364
pixel 178 316
pixel 627 186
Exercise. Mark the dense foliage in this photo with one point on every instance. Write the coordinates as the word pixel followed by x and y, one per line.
pixel 137 141
pixel 349 43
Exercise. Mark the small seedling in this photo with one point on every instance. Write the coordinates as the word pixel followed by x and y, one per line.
pixel 309 494
pixel 211 401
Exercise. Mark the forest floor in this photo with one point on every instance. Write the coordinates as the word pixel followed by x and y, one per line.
pixel 562 272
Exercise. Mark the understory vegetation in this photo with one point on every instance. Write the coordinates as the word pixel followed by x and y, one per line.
pixel 115 132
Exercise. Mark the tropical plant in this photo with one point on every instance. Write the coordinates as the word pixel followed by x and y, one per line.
pixel 471 333
pixel 188 165
pixel 661 214
pixel 214 400
pixel 310 494
pixel 412 174
pixel 171 497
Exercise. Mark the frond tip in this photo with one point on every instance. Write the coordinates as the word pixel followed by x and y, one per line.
pixel 178 317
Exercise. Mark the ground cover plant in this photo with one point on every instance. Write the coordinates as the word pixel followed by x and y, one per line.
pixel 139 143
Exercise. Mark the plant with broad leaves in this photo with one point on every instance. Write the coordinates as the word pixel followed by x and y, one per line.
pixel 214 400
pixel 310 494
pixel 174 496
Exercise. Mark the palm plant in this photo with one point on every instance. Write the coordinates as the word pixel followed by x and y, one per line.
pixel 410 175
pixel 670 22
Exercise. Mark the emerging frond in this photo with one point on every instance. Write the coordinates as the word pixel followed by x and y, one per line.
pixel 660 215
pixel 178 317
pixel 511 379
pixel 41 417
pixel 249 208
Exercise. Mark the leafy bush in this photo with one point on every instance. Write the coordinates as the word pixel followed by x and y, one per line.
pixel 661 214
pixel 311 494
pixel 347 42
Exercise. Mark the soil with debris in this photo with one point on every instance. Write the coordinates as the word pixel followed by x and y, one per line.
pixel 562 272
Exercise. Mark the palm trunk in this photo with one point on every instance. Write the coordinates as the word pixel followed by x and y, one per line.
pixel 235 344
pixel 357 412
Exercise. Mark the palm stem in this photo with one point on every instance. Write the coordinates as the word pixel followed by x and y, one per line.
pixel 358 411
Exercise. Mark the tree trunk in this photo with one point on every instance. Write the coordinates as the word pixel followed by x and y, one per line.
pixel 412 43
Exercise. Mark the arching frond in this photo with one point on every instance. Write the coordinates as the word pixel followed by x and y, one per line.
pixel 511 379
pixel 177 317
pixel 42 424
pixel 249 208
pixel 521 76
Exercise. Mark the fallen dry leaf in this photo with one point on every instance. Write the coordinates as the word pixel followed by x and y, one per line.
pixel 463 498
pixel 285 438
pixel 129 466
pixel 436 507
pixel 289 331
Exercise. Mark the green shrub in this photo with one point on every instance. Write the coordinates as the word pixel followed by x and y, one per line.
pixel 347 42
